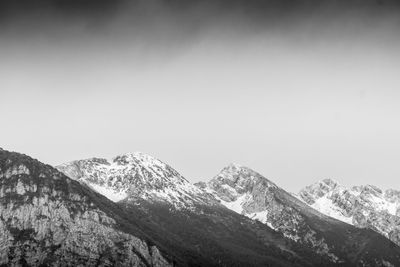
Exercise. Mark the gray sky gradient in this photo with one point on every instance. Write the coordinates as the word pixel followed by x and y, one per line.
pixel 297 103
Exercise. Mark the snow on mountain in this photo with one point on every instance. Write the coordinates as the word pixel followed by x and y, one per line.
pixel 136 176
pixel 109 192
pixel 247 192
pixel 232 187
pixel 325 206
pixel 199 226
pixel 47 219
pixel 362 206
pixel 138 183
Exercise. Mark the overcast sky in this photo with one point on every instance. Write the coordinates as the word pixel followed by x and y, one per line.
pixel 297 102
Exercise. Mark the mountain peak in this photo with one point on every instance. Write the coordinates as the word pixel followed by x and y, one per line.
pixel 234 165
pixel 137 157
pixel 247 192
pixel 231 169
pixel 330 182
pixel 317 190
pixel 368 189
pixel 235 180
pixel 47 219
pixel 234 171
pixel 365 206
pixel 135 176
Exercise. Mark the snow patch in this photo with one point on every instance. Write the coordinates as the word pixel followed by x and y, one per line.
pixel 261 216
pixel 392 207
pixel 325 206
pixel 236 205
pixel 109 193
pixel 381 204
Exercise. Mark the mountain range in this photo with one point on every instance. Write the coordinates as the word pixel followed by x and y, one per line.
pixel 135 210
pixel 362 206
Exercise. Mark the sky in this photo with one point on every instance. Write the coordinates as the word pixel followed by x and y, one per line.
pixel 299 95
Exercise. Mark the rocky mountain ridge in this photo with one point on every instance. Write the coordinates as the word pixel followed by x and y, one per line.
pixel 47 219
pixel 249 193
pixel 188 219
pixel 362 206
pixel 149 182
pixel 136 175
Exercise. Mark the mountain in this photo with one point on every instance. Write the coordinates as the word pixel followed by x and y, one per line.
pixel 136 176
pixel 249 193
pixel 205 226
pixel 362 206
pixel 185 218
pixel 48 219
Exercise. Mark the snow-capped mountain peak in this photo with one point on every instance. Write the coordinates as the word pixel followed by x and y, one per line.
pixel 365 206
pixel 135 176
pixel 247 192
pixel 318 190
pixel 151 166
pixel 235 180
pixel 47 219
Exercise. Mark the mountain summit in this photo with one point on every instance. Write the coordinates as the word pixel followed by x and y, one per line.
pixel 47 219
pixel 249 193
pixel 190 221
pixel 149 215
pixel 363 206
pixel 135 175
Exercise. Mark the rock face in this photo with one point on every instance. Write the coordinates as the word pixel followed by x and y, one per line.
pixel 47 219
pixel 191 220
pixel 204 225
pixel 249 193
pixel 362 206
pixel 136 176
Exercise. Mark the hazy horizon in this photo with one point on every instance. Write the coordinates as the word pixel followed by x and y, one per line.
pixel 297 94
